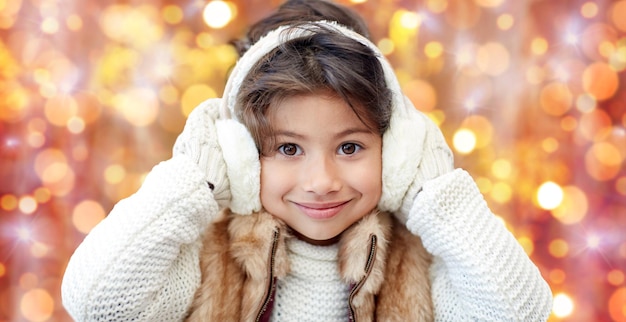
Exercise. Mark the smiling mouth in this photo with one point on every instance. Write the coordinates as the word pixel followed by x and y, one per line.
pixel 321 211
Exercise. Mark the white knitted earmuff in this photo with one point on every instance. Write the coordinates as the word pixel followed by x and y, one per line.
pixel 402 142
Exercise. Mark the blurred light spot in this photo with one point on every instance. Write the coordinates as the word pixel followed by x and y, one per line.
pixel 9 12
pixel 484 185
pixel 539 46
pixel 386 46
pixel 217 14
pixel 594 36
pixel 585 103
pixel 75 125
pixel 620 186
pixel 464 141
pixel 574 206
pixel 481 128
pixel 42 195
pixel 501 168
pixel 571 38
pixel 493 58
pixel 615 277
pixel 593 241
pixel 24 234
pixel 549 195
pixel 562 305
pixel 589 10
pixel 600 81
pixel 8 202
pixel 194 95
pixel 535 75
pixel 14 102
pixel 36 139
pixel 137 26
pixel 618 58
pixel 50 25
pixel 501 192
pixel 55 172
pixel 27 205
pixel 555 98
pixel 603 161
pixel 422 94
pixel 205 40
pixel 437 6
pixel 86 215
pixel 60 109
pixel 489 3
pixel 505 21
pixel 606 49
pixel 358 1
pixel 169 94
pixel 617 305
pixel 433 49
pixel 550 144
pixel 114 174
pixel 557 276
pixel 527 244
pixel 37 305
pixel 172 14
pixel 74 23
pixel 569 123
pixel 3 270
pixel 39 250
pixel 139 106
pixel 558 248
pixel 410 20
pixel 617 12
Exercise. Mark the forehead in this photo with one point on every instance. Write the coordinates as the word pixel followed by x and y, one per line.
pixel 319 109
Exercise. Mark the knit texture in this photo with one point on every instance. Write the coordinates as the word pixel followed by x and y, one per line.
pixel 479 272
pixel 313 290
pixel 141 262
pixel 199 142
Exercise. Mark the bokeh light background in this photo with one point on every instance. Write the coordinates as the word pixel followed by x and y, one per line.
pixel 530 94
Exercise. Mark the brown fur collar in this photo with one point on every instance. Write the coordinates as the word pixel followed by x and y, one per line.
pixel 241 253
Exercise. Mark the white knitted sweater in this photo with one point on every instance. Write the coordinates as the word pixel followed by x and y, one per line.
pixel 313 289
pixel 141 262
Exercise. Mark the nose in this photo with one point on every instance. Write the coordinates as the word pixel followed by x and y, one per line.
pixel 321 176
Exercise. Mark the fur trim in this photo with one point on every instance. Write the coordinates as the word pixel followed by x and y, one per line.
pixel 242 164
pixel 402 142
pixel 235 262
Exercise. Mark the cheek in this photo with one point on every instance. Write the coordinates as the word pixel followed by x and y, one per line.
pixel 273 181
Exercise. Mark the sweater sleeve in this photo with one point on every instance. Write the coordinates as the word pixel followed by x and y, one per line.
pixel 141 262
pixel 479 271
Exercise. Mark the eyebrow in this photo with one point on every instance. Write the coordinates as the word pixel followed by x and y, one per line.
pixel 343 133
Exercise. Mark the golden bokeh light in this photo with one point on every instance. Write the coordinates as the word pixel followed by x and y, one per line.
pixel 217 13
pixel 86 215
pixel 615 277
pixel 589 9
pixel 573 206
pixel 600 81
pixel 422 95
pixel 617 305
pixel 549 195
pixel 505 21
pixel 562 305
pixel 557 276
pixel 464 141
pixel 37 305
pixel 558 248
pixel 617 13
pixel 603 161
pixel 493 58
pixel 556 98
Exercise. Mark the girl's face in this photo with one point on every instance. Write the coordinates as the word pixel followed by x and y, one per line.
pixel 325 171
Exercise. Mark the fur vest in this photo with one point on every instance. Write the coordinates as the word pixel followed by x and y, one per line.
pixel 243 256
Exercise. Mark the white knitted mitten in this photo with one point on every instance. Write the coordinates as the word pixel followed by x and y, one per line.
pixel 198 141
pixel 436 160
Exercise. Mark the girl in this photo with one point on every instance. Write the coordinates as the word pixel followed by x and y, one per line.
pixel 312 191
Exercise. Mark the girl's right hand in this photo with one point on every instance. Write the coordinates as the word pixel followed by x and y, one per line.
pixel 198 141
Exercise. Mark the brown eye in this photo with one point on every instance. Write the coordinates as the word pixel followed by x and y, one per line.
pixel 348 148
pixel 289 149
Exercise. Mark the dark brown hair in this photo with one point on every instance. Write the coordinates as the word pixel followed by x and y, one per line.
pixel 297 11
pixel 326 61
